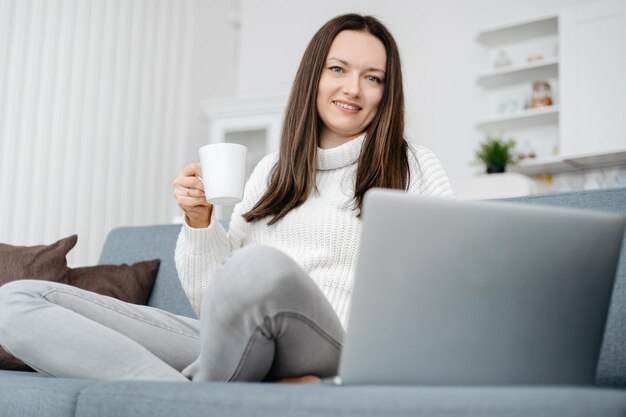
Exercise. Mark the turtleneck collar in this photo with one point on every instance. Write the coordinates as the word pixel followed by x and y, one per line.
pixel 340 156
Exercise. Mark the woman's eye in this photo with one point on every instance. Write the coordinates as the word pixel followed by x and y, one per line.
pixel 336 69
pixel 374 79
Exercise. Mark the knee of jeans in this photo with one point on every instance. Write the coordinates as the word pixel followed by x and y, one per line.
pixel 13 303
pixel 252 274
pixel 23 288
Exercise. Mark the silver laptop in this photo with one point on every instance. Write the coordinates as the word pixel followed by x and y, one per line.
pixel 490 293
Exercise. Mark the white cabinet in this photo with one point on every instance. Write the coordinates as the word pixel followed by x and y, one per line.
pixel 585 127
pixel 593 78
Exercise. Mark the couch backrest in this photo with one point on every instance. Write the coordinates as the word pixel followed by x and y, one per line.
pixel 134 244
pixel 612 365
pixel 141 243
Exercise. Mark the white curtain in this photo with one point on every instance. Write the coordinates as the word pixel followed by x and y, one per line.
pixel 94 112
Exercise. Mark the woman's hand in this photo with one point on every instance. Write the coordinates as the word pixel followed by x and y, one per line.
pixel 299 380
pixel 189 193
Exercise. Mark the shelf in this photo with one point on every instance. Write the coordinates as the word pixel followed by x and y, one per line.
pixel 544 69
pixel 542 166
pixel 558 165
pixel 601 160
pixel 521 120
pixel 519 31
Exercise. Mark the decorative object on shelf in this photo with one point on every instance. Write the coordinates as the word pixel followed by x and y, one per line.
pixel 542 94
pixel 534 58
pixel 502 60
pixel 526 152
pixel 496 154
pixel 510 105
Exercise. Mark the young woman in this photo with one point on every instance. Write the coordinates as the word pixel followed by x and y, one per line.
pixel 273 292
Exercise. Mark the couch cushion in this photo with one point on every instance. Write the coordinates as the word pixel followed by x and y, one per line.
pixel 26 394
pixel 140 243
pixel 246 399
pixel 134 244
pixel 612 364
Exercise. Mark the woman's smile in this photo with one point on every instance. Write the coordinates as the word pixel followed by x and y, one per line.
pixel 347 106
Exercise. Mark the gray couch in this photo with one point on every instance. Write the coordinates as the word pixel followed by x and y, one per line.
pixel 27 394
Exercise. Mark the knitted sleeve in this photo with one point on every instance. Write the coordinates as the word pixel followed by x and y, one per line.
pixel 427 174
pixel 200 251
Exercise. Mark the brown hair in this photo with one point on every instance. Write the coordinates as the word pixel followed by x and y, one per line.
pixel 383 160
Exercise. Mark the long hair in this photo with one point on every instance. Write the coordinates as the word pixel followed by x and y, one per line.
pixel 383 160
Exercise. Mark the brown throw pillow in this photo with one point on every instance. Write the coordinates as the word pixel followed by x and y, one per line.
pixel 35 262
pixel 130 283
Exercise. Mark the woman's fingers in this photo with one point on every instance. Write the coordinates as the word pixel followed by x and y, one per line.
pixel 189 192
pixel 188 178
pixel 189 182
pixel 191 170
pixel 190 204
pixel 193 199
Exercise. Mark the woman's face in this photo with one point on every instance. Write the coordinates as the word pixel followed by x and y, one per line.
pixel 351 86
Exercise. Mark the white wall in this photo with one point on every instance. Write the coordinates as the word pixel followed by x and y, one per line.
pixel 94 116
pixel 437 42
pixel 99 111
pixel 213 74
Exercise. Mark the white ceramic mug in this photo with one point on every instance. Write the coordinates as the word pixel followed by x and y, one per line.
pixel 223 168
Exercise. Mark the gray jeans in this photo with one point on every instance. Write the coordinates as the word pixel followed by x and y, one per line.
pixel 263 318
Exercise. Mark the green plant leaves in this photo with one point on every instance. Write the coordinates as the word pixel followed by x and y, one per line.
pixel 496 152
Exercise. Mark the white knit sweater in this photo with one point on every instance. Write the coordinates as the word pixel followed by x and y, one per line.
pixel 322 235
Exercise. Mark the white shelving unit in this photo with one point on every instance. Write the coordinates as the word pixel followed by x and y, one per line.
pixel 536 128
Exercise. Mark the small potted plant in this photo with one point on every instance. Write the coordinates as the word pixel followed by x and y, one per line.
pixel 496 154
